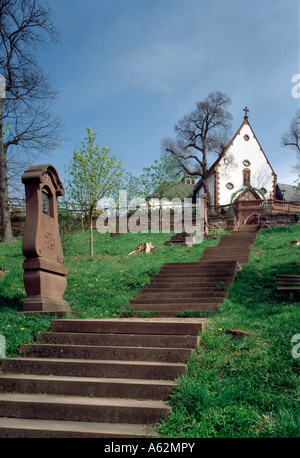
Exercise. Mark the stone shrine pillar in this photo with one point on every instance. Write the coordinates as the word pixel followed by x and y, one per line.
pixel 44 275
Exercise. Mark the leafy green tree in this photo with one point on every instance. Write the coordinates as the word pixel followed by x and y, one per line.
pixel 93 173
pixel 164 178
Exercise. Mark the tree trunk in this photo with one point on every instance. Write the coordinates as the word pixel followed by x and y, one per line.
pixel 208 193
pixel 7 234
pixel 91 233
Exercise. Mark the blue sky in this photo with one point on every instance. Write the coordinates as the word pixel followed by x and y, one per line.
pixel 130 69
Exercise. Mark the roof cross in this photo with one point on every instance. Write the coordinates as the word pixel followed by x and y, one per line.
pixel 246 112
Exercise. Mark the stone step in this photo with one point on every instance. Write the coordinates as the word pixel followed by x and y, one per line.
pixel 217 257
pixel 187 326
pixel 156 307
pixel 240 260
pixel 193 276
pixel 172 290
pixel 24 428
pixel 198 263
pixel 180 301
pixel 196 271
pixel 235 243
pixel 230 255
pixel 127 340
pixel 227 250
pixel 163 294
pixel 94 368
pixel 176 313
pixel 78 408
pixel 188 283
pixel 87 386
pixel 237 238
pixel 107 353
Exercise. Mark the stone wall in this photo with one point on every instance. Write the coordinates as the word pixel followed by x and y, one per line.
pixel 225 223
pixel 268 221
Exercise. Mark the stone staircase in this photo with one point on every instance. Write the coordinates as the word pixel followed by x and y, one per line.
pixel 95 378
pixel 112 377
pixel 197 286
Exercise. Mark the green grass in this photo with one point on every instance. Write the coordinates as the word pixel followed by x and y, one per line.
pixel 98 287
pixel 245 387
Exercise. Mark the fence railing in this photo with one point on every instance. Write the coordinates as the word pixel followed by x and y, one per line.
pixel 17 207
pixel 280 206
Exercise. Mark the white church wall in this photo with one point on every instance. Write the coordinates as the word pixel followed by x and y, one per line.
pixel 231 166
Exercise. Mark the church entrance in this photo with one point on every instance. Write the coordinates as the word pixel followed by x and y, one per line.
pixel 248 206
pixel 252 219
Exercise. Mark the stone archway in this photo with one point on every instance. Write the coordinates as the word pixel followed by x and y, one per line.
pixel 252 219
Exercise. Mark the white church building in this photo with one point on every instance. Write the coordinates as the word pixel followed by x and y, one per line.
pixel 241 172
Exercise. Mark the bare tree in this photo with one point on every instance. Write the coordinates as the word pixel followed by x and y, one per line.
pixel 292 139
pixel 27 124
pixel 200 133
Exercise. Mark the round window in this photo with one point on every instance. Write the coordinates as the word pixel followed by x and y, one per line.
pixel 246 137
pixel 229 186
pixel 246 163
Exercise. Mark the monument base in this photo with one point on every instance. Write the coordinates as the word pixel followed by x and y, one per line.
pixel 45 304
pixel 45 284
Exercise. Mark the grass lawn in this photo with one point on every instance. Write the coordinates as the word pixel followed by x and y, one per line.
pixel 245 387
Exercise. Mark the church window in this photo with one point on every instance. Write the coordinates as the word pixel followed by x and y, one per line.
pixel 246 137
pixel 246 177
pixel 229 186
pixel 263 190
pixel 246 163
pixel 188 181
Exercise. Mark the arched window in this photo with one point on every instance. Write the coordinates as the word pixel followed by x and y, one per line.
pixel 246 177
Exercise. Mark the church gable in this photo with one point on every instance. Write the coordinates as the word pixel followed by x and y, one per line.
pixel 248 194
pixel 242 164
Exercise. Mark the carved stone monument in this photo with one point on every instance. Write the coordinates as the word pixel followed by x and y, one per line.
pixel 44 275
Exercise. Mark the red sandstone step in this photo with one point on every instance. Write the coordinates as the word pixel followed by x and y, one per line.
pixel 87 386
pixel 94 368
pixel 171 289
pixel 127 340
pixel 77 408
pixel 24 428
pixel 164 294
pixel 198 263
pixel 180 301
pixel 177 313
pixel 196 277
pixel 107 353
pixel 196 272
pixel 187 326
pixel 227 249
pixel 188 283
pixel 171 306
pixel 217 257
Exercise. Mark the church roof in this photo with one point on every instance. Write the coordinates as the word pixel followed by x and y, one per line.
pixel 212 168
pixel 287 192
